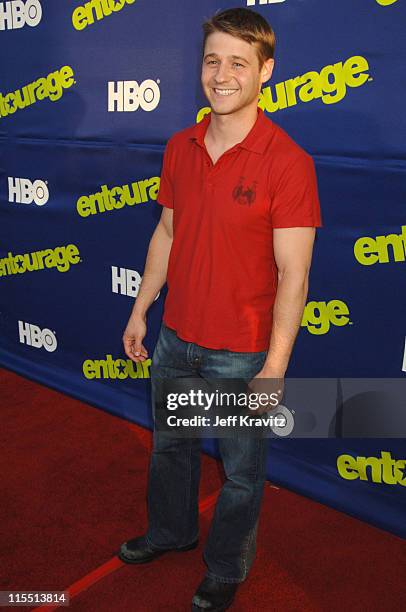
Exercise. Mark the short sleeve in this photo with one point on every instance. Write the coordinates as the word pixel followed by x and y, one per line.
pixel 295 201
pixel 165 195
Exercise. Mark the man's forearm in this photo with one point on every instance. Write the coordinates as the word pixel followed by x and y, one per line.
pixel 287 316
pixel 155 271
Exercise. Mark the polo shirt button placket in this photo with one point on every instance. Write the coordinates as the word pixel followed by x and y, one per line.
pixel 212 175
pixel 208 181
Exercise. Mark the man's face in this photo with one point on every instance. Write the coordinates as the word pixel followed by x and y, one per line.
pixel 231 77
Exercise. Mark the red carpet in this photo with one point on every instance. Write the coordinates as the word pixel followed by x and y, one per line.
pixel 73 488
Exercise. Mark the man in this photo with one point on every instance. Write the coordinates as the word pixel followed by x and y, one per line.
pixel 234 243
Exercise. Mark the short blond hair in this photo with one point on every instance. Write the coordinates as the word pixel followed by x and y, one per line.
pixel 247 25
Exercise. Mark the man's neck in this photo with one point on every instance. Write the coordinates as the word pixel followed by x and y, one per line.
pixel 225 131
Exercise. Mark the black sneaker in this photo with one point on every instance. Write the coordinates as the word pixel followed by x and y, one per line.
pixel 214 596
pixel 139 551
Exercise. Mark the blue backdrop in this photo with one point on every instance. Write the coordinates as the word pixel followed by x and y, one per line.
pixel 90 93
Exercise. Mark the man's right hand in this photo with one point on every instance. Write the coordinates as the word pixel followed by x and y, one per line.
pixel 133 336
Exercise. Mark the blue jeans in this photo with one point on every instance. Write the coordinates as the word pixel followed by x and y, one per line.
pixel 174 474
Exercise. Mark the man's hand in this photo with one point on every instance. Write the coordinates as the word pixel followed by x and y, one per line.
pixel 272 384
pixel 133 336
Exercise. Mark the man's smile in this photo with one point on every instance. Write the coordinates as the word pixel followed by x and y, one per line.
pixel 224 92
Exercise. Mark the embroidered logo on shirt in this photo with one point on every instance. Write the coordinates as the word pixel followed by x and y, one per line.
pixel 245 195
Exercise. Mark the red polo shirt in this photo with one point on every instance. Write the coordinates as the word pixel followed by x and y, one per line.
pixel 222 276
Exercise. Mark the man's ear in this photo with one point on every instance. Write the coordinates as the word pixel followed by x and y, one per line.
pixel 267 69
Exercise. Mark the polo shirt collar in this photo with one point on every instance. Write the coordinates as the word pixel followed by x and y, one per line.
pixel 256 140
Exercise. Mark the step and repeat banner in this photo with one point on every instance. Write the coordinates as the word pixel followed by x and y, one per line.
pixel 90 92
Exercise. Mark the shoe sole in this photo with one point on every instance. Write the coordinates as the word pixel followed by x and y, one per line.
pixel 157 554
pixel 220 609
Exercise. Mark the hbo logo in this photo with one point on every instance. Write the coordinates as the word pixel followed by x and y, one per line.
pixel 129 96
pixel 23 191
pixel 34 336
pixel 15 14
pixel 126 282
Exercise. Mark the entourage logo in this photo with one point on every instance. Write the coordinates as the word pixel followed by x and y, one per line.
pixel 114 369
pixel 51 86
pixel 61 258
pixel 319 316
pixel 117 197
pixel 128 96
pixel 329 85
pixel 23 191
pixel 381 249
pixel 16 14
pixel 126 282
pixel 86 15
pixel 38 338
pixel 383 470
